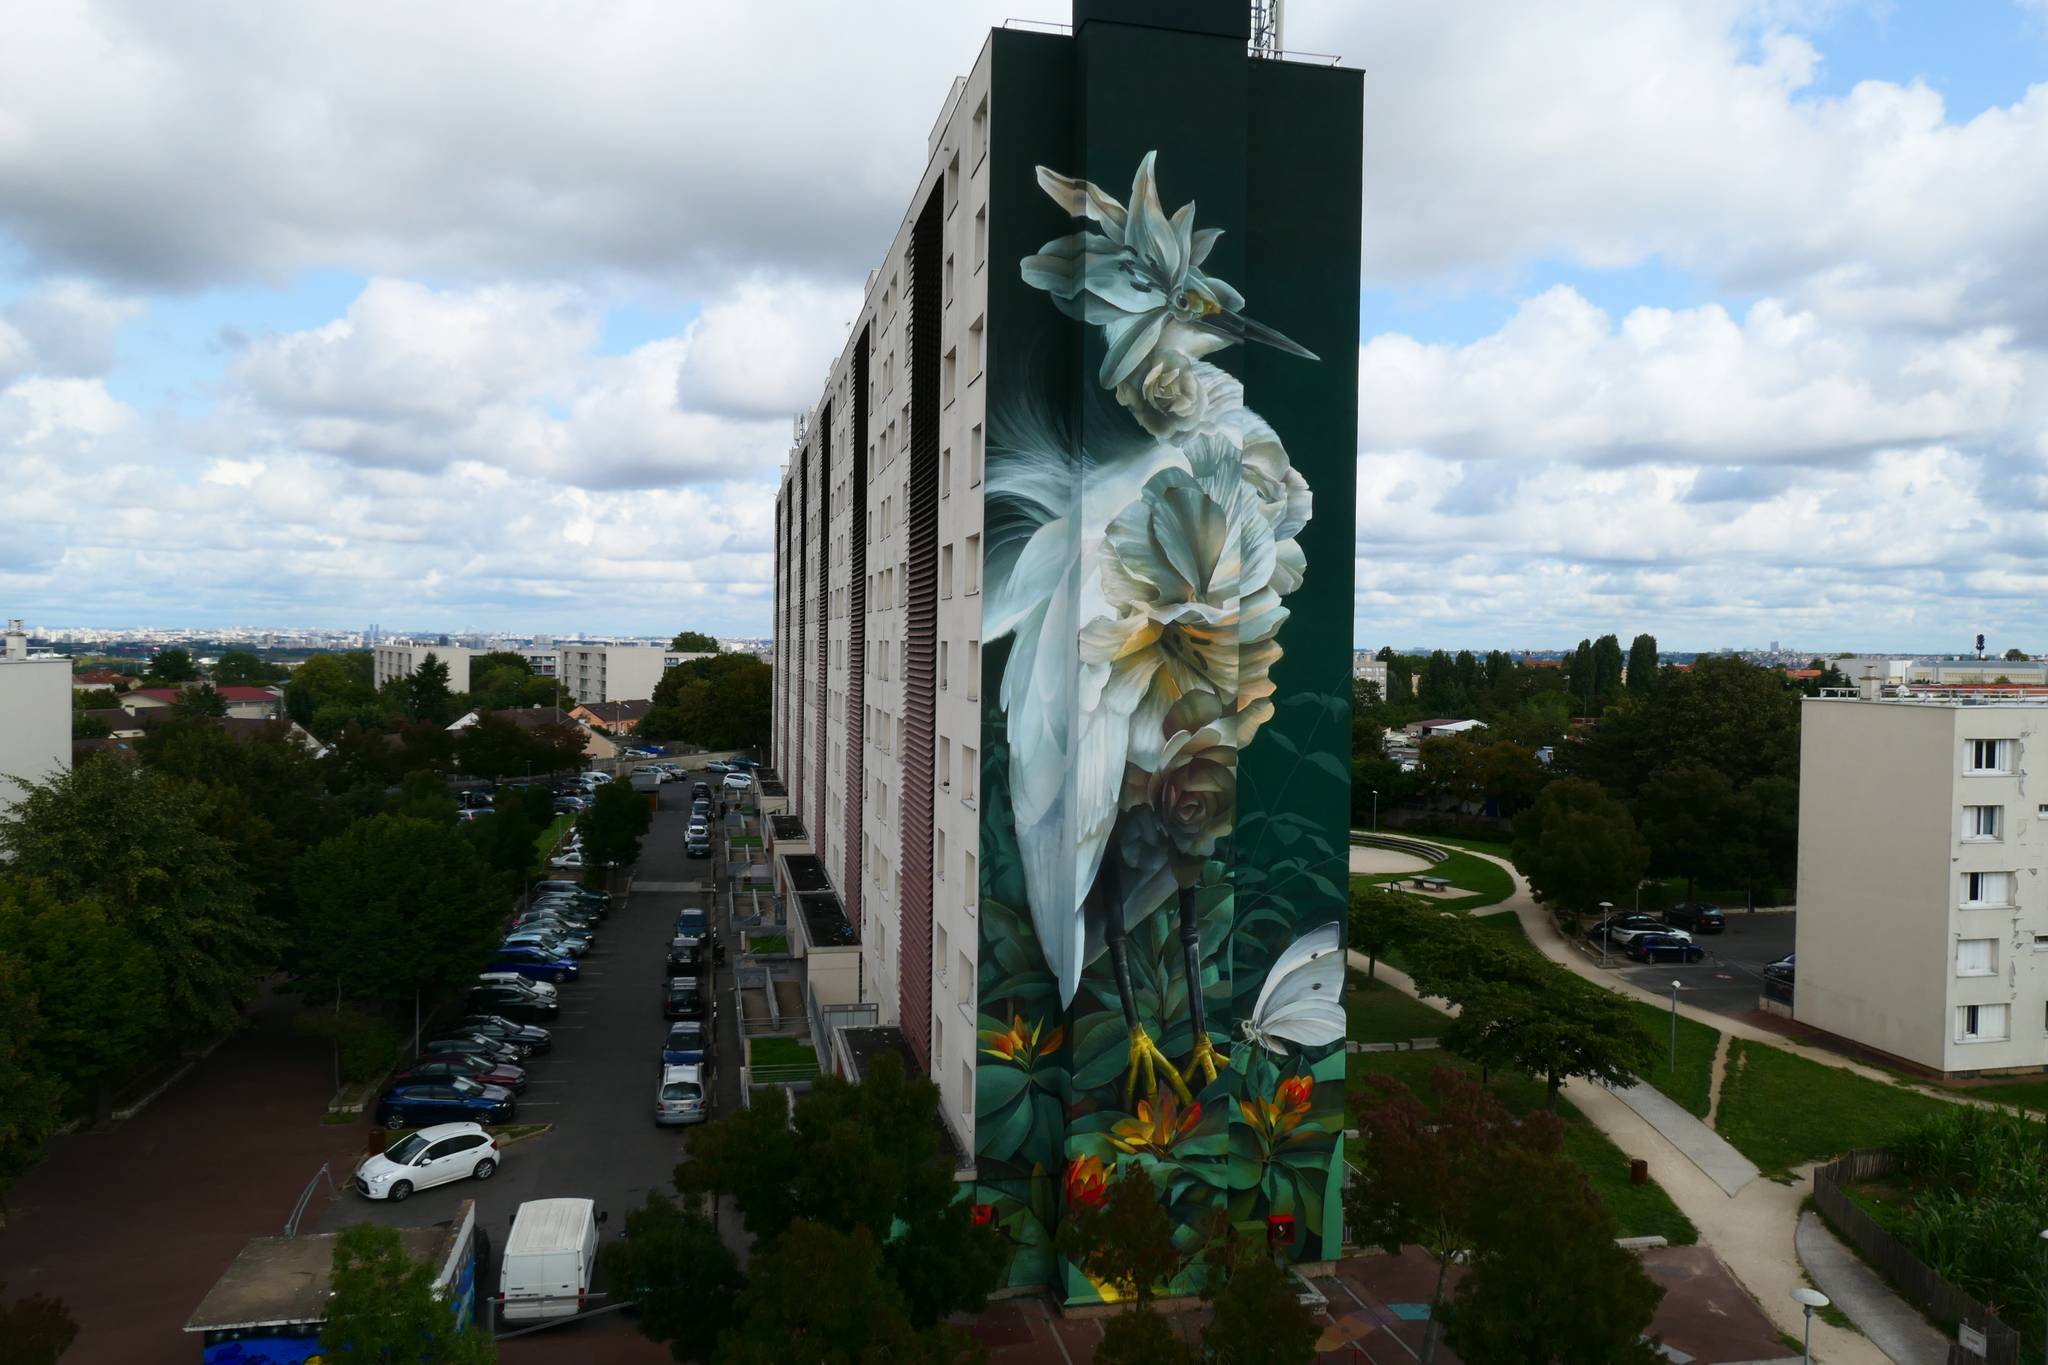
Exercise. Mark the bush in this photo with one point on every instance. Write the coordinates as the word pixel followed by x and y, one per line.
pixel 369 1043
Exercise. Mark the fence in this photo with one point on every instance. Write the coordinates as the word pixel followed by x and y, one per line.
pixel 1894 1260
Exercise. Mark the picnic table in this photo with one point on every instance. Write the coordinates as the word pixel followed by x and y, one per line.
pixel 1426 883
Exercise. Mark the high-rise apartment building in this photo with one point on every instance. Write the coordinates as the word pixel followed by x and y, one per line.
pixel 1063 598
pixel 35 714
pixel 1923 917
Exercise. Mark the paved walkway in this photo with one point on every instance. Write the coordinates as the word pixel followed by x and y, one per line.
pixel 1891 1325
pixel 1704 1147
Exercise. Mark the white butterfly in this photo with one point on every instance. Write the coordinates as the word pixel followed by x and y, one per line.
pixel 1302 1001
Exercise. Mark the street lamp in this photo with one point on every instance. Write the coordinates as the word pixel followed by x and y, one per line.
pixel 1809 1299
pixel 1674 1028
pixel 1375 810
pixel 1606 928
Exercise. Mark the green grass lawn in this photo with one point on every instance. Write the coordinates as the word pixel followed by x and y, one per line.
pixel 1497 848
pixel 544 842
pixel 781 1052
pixel 743 841
pixel 1643 1211
pixel 1485 883
pixel 2022 1094
pixel 767 943
pixel 1690 1083
pixel 1782 1111
pixel 1380 1014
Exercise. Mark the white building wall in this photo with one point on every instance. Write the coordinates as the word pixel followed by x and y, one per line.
pixel 401 660
pixel 35 717
pixel 1884 857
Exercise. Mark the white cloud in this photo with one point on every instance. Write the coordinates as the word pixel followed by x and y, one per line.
pixel 70 325
pixel 764 351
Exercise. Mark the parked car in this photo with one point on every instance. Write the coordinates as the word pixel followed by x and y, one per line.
pixel 407 1106
pixel 557 932
pixel 700 791
pixel 475 800
pixel 718 768
pixel 483 1070
pixel 547 941
pixel 1663 948
pixel 697 845
pixel 573 858
pixel 685 956
pixel 682 997
pixel 536 964
pixel 680 1096
pixel 1699 916
pixel 429 1157
pixel 700 809
pixel 565 910
pixel 600 898
pixel 571 805
pixel 543 922
pixel 693 923
pixel 463 1044
pixel 688 1040
pixel 546 989
pixel 738 782
pixel 742 763
pixel 1784 970
pixel 508 1002
pixel 1618 930
pixel 535 1040
pixel 698 830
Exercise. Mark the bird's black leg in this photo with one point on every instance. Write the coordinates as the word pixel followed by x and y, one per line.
pixel 1206 1059
pixel 1147 1061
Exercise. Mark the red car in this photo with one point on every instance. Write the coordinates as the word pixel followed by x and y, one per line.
pixel 442 1066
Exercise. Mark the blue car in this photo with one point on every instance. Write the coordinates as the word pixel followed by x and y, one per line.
pixel 693 925
pixel 535 964
pixel 688 1043
pixel 447 1101
pixel 1663 948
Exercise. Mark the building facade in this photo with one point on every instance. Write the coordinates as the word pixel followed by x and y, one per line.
pixel 1063 597
pixel 600 673
pixel 1923 917
pixel 35 714
pixel 392 661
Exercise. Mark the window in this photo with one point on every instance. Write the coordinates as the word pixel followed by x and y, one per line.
pixel 952 183
pixel 945 665
pixel 966 978
pixel 939 958
pixel 938 1038
pixel 973 670
pixel 1987 888
pixel 974 480
pixel 939 862
pixel 1989 755
pixel 1980 1023
pixel 966 1087
pixel 975 335
pixel 977 145
pixel 970 565
pixel 980 238
pixel 949 279
pixel 968 873
pixel 1977 957
pixel 945 762
pixel 968 773
pixel 949 375
pixel 1983 822
pixel 946 571
pixel 946 472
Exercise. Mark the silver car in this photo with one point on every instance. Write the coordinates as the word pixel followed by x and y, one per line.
pixel 680 1096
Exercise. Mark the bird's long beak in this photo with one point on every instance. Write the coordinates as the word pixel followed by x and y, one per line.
pixel 1240 328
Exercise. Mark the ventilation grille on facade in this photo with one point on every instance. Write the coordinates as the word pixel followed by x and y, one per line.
pixel 823 656
pixel 857 643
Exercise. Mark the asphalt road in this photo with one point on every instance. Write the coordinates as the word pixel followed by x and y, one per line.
pixel 1730 978
pixel 596 1088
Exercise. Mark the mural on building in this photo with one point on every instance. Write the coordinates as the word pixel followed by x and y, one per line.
pixel 1162 966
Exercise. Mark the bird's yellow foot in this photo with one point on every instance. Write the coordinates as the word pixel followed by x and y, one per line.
pixel 1206 1060
pixel 1149 1062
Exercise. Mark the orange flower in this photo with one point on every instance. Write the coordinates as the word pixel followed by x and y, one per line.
pixel 1087 1183
pixel 1278 1117
pixel 1155 1130
pixel 1014 1044
pixel 1295 1092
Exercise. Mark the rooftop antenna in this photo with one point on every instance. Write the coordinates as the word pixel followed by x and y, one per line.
pixel 1266 28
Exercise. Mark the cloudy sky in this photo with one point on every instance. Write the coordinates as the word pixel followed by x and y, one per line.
pixel 1725 320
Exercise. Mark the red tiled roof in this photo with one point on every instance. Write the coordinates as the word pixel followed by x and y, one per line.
pixel 170 695
pixel 101 677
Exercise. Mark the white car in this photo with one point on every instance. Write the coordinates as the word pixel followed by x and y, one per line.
pixel 595 779
pixel 573 858
pixel 738 782
pixel 546 988
pixel 428 1156
pixel 680 1096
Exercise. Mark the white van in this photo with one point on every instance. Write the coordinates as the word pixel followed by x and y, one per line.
pixel 548 1259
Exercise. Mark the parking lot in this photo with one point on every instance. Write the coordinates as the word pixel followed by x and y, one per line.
pixel 596 1087
pixel 1730 977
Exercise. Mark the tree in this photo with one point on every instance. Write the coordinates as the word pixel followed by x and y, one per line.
pixel 427 697
pixel 1738 719
pixel 1547 1282
pixel 2016 656
pixel 240 667
pixel 1428 1176
pixel 100 1008
pixel 1577 845
pixel 1380 918
pixel 1642 665
pixel 504 839
pixel 498 746
pixel 35 1329
pixel 674 1264
pixel 1257 1318
pixel 198 701
pixel 860 1157
pixel 820 1293
pixel 1552 1025
pixel 1141 1336
pixel 390 908
pixel 328 691
pixel 721 703
pixel 382 1308
pixel 28 1097
pixel 87 726
pixel 693 642
pixel 1126 1241
pixel 129 837
pixel 1697 825
pixel 171 667
pixel 612 828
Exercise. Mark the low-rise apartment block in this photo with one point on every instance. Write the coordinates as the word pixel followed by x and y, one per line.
pixel 1923 915
pixel 35 714
pixel 601 673
pixel 392 661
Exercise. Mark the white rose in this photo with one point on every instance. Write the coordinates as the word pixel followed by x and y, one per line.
pixel 1171 393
